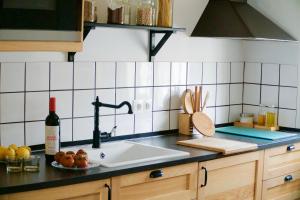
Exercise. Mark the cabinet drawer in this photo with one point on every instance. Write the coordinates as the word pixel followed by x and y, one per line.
pixel 286 187
pixel 281 160
pixel 179 182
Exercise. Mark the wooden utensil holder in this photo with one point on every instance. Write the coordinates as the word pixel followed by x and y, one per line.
pixel 185 124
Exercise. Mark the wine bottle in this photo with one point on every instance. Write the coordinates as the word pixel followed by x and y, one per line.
pixel 52 132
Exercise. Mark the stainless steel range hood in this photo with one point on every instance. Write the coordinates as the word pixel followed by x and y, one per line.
pixel 238 20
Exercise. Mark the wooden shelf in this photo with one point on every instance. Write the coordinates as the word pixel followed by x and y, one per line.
pixel 153 30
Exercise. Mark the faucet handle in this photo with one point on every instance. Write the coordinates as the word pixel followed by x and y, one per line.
pixel 113 131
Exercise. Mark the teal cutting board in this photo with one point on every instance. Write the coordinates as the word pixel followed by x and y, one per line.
pixel 251 132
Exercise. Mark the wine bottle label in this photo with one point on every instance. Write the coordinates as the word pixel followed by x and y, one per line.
pixel 51 140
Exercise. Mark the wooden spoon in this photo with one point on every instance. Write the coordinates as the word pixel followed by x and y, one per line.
pixel 187 102
pixel 203 124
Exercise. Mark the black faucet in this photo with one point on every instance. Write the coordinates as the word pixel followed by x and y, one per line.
pixel 96 133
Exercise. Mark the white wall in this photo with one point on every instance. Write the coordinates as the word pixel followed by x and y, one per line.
pixel 286 14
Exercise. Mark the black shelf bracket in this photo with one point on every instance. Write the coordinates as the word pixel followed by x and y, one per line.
pixel 153 50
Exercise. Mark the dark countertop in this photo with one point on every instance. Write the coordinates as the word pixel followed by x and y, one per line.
pixel 51 177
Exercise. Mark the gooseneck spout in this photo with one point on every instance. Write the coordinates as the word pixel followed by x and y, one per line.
pixel 97 104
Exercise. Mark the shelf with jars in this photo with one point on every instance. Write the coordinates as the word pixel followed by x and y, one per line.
pixel 154 16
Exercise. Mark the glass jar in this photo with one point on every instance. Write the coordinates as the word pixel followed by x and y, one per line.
pixel 261 118
pixel 90 11
pixel 127 11
pixel 115 12
pixel 165 13
pixel 145 13
pixel 271 117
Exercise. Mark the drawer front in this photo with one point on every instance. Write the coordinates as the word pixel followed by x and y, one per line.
pixel 179 182
pixel 286 187
pixel 281 160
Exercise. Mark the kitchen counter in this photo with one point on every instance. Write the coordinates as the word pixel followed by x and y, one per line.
pixel 51 177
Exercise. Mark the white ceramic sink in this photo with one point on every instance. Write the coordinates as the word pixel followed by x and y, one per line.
pixel 116 154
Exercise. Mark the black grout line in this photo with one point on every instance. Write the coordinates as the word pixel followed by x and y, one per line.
pixel 243 91
pixel 216 93
pixel 73 101
pixel 278 96
pixel 261 74
pixel 170 95
pixel 24 114
pixel 152 120
pixel 115 111
pixel 134 130
pixel 229 90
pixel 0 104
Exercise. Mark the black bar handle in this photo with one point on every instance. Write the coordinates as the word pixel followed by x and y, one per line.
pixel 109 191
pixel 205 178
pixel 156 174
pixel 290 147
pixel 288 178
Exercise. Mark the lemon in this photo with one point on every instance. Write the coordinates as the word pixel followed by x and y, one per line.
pixel 26 147
pixel 10 153
pixel 13 146
pixel 2 152
pixel 22 153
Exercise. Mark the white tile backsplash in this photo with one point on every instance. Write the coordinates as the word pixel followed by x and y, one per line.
pixel 12 77
pixel 176 96
pixel 125 124
pixel 222 115
pixel 35 133
pixel 12 107
pixel 289 75
pixel 251 94
pixel 37 105
pixel 161 100
pixel 178 73
pixel 83 128
pixel 269 95
pixel 83 103
pixel 237 72
pixel 236 93
pixel 12 134
pixel 125 74
pixel 115 82
pixel 84 75
pixel 288 98
pixel 252 72
pixel 162 73
pixel 144 74
pixel 270 74
pixel 37 76
pixel 223 72
pixel 287 118
pixel 194 73
pixel 143 122
pixel 61 75
pixel 105 74
pixel 209 73
pixel 161 121
pixel 222 95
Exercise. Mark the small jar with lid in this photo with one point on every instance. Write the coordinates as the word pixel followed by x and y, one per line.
pixel 145 13
pixel 115 12
pixel 90 11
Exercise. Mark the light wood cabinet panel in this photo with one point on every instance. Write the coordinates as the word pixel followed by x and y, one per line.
pixel 282 188
pixel 95 190
pixel 179 182
pixel 281 160
pixel 231 178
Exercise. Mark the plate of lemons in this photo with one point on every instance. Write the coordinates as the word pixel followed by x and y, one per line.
pixel 14 152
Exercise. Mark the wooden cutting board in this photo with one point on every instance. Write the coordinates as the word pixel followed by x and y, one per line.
pixel 224 146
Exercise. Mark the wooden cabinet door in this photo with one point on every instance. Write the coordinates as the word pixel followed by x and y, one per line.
pixel 174 183
pixel 96 190
pixel 286 187
pixel 231 178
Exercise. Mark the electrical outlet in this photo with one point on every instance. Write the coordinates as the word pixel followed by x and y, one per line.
pixel 137 106
pixel 148 105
